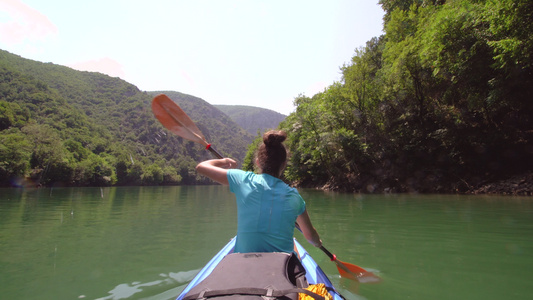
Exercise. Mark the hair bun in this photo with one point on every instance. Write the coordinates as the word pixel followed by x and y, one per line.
pixel 274 137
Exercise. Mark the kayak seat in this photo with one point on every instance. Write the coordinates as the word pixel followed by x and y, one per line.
pixel 253 276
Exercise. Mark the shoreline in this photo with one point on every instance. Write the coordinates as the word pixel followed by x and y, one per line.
pixel 518 185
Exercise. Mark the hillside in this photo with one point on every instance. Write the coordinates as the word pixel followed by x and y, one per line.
pixel 252 119
pixel 440 103
pixel 219 129
pixel 59 126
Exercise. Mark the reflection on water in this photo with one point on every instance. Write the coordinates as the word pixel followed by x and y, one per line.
pixel 127 291
pixel 148 242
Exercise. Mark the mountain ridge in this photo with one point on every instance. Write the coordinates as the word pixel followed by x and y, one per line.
pixel 60 126
pixel 253 119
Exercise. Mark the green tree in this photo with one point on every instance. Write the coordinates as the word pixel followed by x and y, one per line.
pixel 15 152
pixel 6 115
pixel 49 158
pixel 248 163
pixel 153 175
pixel 441 98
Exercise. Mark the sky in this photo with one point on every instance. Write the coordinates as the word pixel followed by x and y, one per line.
pixel 261 53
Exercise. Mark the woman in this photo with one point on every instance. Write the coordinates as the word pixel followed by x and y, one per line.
pixel 267 208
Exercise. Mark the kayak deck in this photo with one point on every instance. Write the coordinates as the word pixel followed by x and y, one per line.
pixel 314 273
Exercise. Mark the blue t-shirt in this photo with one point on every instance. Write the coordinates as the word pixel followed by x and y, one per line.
pixel 266 211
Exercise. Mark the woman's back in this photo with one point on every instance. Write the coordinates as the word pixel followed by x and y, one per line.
pixel 267 210
pixel 267 207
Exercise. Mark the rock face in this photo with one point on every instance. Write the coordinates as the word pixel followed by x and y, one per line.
pixel 519 186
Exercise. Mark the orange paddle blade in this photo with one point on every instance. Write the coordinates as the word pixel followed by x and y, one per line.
pixel 350 271
pixel 176 120
pixel 356 273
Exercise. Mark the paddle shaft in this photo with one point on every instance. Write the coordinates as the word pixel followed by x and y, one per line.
pixel 329 254
pixel 213 151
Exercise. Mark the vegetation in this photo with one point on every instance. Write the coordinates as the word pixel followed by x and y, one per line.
pixel 442 102
pixel 252 119
pixel 59 126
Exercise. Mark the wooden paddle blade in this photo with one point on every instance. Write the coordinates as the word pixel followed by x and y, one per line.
pixel 176 120
pixel 356 273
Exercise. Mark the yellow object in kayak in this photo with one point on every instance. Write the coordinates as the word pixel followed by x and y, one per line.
pixel 319 289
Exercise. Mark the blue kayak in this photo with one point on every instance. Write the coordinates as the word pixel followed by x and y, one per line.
pixel 313 274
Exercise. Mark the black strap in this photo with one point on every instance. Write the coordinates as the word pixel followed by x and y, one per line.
pixel 253 292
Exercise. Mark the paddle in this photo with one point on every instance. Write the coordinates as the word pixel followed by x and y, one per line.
pixel 350 271
pixel 176 120
pixel 347 270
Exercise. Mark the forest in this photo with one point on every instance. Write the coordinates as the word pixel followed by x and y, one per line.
pixel 442 102
pixel 61 127
pixel 252 119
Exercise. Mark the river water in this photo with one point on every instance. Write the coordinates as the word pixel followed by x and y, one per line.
pixel 148 242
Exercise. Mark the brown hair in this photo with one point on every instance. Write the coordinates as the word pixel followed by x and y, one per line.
pixel 272 154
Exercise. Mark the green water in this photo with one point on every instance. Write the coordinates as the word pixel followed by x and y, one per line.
pixel 148 242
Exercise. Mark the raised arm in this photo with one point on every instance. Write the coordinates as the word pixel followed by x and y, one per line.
pixel 216 169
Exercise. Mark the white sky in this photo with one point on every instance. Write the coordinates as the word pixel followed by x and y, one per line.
pixel 238 52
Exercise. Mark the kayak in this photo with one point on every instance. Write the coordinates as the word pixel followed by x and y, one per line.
pixel 313 273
